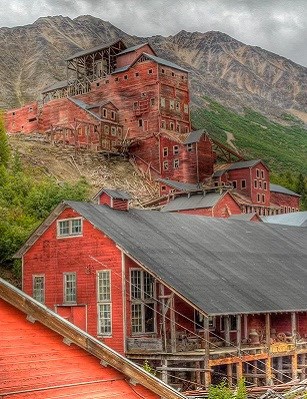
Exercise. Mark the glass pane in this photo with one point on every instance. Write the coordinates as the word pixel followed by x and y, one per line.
pixel 149 317
pixel 148 286
pixel 105 319
pixel 104 286
pixel 136 317
pixel 70 287
pixel 136 284
pixel 76 226
pixel 64 228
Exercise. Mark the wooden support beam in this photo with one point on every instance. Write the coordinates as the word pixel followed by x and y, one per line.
pixel 229 374
pixel 206 344
pixel 294 366
pixel 268 371
pixel 227 329
pixel 173 325
pixel 239 370
pixel 293 327
pixel 268 331
pixel 239 333
pixel 254 371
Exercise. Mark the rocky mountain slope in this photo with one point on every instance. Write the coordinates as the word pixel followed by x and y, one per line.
pixel 222 68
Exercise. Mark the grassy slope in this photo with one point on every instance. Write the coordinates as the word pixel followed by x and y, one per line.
pixel 282 147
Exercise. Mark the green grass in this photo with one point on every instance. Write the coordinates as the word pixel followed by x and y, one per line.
pixel 282 148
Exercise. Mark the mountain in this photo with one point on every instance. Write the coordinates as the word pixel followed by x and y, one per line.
pixel 222 68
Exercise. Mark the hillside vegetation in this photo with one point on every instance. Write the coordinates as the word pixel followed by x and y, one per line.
pixel 282 147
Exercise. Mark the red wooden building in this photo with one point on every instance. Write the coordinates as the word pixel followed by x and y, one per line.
pixel 44 356
pixel 199 298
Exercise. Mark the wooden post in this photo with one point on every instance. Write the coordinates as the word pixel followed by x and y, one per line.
pixel 239 367
pixel 279 368
pixel 173 324
pixel 163 311
pixel 207 381
pixel 268 371
pixel 255 371
pixel 293 327
pixel 164 376
pixel 197 374
pixel 245 333
pixel 294 366
pixel 268 331
pixel 303 367
pixel 239 336
pixel 229 374
pixel 227 330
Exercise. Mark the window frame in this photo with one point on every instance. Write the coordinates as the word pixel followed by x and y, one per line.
pixel 42 289
pixel 175 149
pixel 142 301
pixel 165 152
pixel 243 186
pixel 176 163
pixel 231 318
pixel 65 293
pixel 70 233
pixel 104 303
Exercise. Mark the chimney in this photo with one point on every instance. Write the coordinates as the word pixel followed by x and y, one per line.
pixel 115 199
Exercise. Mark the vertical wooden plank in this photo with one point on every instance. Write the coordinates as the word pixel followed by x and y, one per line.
pixel 239 335
pixel 164 376
pixel 293 327
pixel 229 374
pixel 245 320
pixel 173 324
pixel 227 330
pixel 239 369
pixel 268 331
pixel 206 343
pixel 268 371
pixel 163 311
pixel 303 367
pixel 294 366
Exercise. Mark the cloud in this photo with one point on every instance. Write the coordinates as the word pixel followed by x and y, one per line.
pixel 276 25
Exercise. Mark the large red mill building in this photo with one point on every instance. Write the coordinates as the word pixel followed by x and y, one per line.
pixel 129 100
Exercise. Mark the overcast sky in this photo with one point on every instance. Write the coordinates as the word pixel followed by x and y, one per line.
pixel 276 25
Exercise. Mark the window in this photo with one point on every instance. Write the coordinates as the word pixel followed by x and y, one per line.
pixel 112 115
pixel 104 113
pixel 262 174
pixel 104 302
pixel 140 122
pixel 137 74
pixel 265 185
pixel 70 293
pixel 116 79
pixel 176 163
pixel 165 151
pixel 190 147
pixel 30 109
pixel 120 132
pixel 135 104
pixel 149 71
pixel 162 70
pixel 177 106
pixel 97 84
pixel 171 125
pixel 152 102
pixel 113 130
pixel 257 173
pixel 186 108
pixel 39 288
pixel 125 77
pixel 106 129
pixel 165 165
pixel 234 184
pixel 260 184
pixel 199 321
pixel 263 198
pixel 175 149
pixel 258 197
pixel 178 127
pixel 69 227
pixel 173 74
pixel 163 124
pixel 142 302
pixel 232 323
pixel 255 183
pixel 171 104
pixel 243 184
pixel 162 102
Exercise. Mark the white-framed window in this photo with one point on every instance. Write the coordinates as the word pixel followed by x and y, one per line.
pixel 39 288
pixel 243 184
pixel 70 287
pixel 262 174
pixel 165 151
pixel 113 115
pixel 186 108
pixel 171 104
pixel 176 149
pixel 257 173
pixel 104 302
pixel 190 147
pixel 171 126
pixel 177 106
pixel 265 185
pixel 258 197
pixel 263 198
pixel 176 163
pixel 255 183
pixel 104 112
pixel 142 292
pixel 162 102
pixel 69 227
pixel 165 165
pixel 113 130
pixel 234 184
pixel 163 124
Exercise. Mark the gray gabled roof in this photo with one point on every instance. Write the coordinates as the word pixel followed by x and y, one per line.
pixel 57 85
pixel 288 219
pixel 167 63
pixel 180 186
pixel 84 106
pixel 194 136
pixel 221 266
pixel 238 165
pixel 117 194
pixel 194 201
pixel 133 48
pixel 276 188
pixel 94 49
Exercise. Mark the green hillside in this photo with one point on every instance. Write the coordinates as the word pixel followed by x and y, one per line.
pixel 282 146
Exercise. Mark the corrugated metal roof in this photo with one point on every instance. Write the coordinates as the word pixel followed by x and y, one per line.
pixel 246 217
pixel 180 186
pixel 237 165
pixel 194 201
pixel 161 61
pixel 276 188
pixel 117 194
pixel 221 266
pixel 133 48
pixel 55 86
pixel 84 106
pixel 289 219
pixel 194 136
pixel 121 69
pixel 94 49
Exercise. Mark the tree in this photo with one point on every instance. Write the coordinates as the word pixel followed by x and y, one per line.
pixel 4 146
